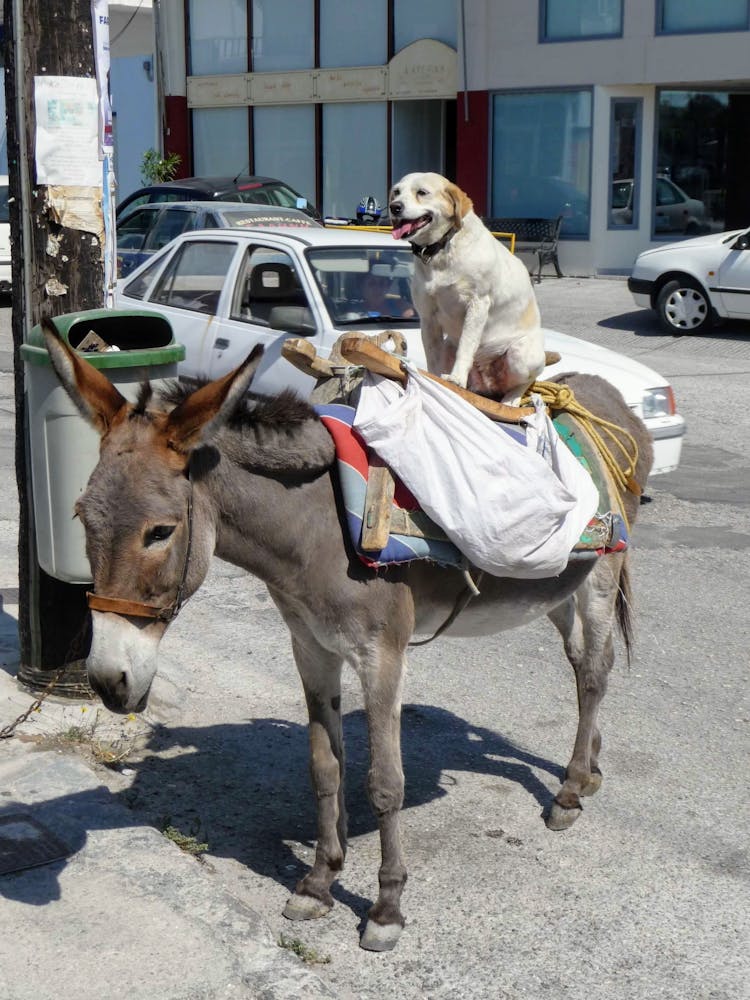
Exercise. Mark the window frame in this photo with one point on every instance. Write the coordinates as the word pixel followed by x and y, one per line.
pixel 661 31
pixel 544 39
pixel 169 273
pixel 637 171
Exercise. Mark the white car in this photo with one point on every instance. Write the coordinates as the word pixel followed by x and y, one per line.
pixel 224 291
pixel 693 283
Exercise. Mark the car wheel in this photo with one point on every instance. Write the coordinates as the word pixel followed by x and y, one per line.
pixel 683 307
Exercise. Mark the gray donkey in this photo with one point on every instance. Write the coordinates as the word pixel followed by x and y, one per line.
pixel 218 471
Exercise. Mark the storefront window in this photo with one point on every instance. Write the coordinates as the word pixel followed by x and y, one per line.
pixel 418 137
pixel 285 146
pixel 220 142
pixel 568 20
pixel 354 156
pixel 413 19
pixel 283 34
pixel 218 37
pixel 353 32
pixel 541 157
pixel 691 171
pixel 680 16
pixel 625 145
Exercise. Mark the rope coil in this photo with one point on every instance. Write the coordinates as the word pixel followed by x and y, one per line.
pixel 558 396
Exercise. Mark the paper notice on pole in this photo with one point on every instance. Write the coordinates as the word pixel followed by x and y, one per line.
pixel 67 131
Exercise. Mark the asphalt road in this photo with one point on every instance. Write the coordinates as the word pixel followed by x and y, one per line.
pixel 647 895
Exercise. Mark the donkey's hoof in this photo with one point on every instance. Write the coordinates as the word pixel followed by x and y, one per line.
pixel 305 908
pixel 380 937
pixel 560 818
pixel 593 784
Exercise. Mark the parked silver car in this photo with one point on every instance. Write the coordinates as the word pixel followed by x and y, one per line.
pixel 674 211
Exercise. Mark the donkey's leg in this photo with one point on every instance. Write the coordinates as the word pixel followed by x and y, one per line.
pixel 586 622
pixel 382 682
pixel 320 671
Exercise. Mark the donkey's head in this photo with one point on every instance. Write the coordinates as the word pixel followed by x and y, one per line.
pixel 148 545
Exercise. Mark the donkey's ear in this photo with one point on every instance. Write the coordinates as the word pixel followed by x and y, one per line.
pixel 462 203
pixel 203 412
pixel 93 393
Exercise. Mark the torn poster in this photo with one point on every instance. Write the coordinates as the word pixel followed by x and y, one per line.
pixel 67 131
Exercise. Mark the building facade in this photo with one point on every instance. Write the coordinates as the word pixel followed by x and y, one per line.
pixel 628 117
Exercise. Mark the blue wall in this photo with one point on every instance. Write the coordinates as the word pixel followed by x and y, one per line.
pixel 134 107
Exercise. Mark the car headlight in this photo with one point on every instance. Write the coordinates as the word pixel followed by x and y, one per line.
pixel 658 402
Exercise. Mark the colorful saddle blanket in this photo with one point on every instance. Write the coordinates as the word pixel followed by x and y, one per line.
pixel 425 540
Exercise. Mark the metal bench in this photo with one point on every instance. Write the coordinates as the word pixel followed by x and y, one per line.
pixel 537 236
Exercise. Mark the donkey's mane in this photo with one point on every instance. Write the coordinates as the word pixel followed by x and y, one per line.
pixel 279 435
pixel 285 409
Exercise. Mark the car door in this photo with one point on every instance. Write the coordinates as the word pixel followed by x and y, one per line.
pixel 271 301
pixel 734 278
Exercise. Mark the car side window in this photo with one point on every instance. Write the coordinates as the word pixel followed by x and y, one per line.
pixel 131 232
pixel 142 199
pixel 267 279
pixel 171 222
pixel 665 193
pixel 162 196
pixel 195 276
pixel 138 287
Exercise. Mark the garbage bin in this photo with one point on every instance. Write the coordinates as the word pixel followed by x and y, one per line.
pixel 63 448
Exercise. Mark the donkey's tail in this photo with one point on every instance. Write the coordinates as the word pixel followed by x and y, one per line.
pixel 624 608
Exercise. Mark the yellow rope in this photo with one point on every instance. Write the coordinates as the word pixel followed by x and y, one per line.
pixel 560 397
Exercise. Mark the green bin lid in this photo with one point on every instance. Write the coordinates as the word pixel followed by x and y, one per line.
pixel 144 338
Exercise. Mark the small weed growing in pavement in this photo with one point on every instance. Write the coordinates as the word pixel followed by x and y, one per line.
pixel 82 739
pixel 186 843
pixel 304 952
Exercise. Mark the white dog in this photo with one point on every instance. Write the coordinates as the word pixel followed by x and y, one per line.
pixel 480 320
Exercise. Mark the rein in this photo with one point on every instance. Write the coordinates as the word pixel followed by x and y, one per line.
pixel 139 609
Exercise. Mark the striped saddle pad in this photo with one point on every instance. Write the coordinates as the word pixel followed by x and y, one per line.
pixel 413 535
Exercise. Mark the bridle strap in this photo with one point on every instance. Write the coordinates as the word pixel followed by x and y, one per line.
pixel 138 609
pixel 135 609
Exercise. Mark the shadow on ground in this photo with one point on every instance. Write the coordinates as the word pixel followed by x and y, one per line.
pixel 244 789
pixel 643 323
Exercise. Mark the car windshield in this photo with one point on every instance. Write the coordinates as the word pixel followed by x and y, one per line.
pixel 365 285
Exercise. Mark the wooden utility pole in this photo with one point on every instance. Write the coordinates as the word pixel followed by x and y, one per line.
pixel 55 270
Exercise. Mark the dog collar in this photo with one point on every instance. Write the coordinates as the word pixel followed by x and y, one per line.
pixel 426 253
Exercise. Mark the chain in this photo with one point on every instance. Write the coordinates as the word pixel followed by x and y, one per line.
pixel 7 731
pixel 73 653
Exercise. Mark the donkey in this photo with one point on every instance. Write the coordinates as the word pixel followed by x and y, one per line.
pixel 216 470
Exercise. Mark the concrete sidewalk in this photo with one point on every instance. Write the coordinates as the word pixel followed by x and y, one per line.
pixel 126 913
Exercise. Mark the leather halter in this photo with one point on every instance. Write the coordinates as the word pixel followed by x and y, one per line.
pixel 139 609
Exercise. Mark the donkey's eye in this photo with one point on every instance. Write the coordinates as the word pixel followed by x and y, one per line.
pixel 159 533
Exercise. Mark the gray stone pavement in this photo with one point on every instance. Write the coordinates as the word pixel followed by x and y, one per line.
pixel 645 898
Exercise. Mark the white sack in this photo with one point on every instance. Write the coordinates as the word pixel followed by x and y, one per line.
pixel 497 500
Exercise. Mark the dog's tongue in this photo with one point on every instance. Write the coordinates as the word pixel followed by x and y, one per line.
pixel 405 229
